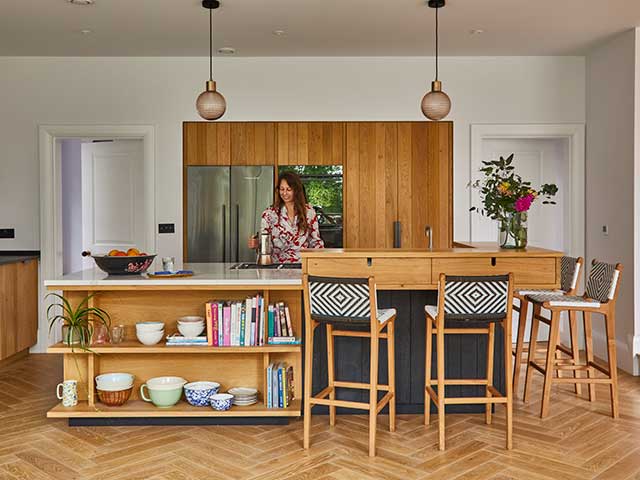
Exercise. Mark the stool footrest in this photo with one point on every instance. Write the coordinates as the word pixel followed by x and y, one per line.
pixel 600 368
pixel 582 380
pixel 462 381
pixel 538 367
pixel 473 400
pixel 349 333
pixel 339 403
pixel 383 401
pixel 359 385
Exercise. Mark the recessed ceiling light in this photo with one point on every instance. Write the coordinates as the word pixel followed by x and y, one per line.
pixel 476 31
pixel 279 32
pixel 227 51
pixel 86 31
pixel 81 2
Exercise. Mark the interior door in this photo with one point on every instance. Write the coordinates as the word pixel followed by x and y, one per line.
pixel 113 206
pixel 251 193
pixel 208 214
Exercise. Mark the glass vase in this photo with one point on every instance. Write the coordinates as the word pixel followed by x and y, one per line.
pixel 513 230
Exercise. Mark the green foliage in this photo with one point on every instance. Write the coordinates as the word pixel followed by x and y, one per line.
pixel 79 321
pixel 504 192
pixel 323 185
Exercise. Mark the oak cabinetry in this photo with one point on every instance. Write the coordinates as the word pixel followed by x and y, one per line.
pixel 18 306
pixel 205 143
pixel 253 143
pixel 310 143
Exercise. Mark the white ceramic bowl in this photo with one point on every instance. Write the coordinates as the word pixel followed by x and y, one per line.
pixel 191 319
pixel 149 326
pixel 190 330
pixel 114 382
pixel 150 338
pixel 165 383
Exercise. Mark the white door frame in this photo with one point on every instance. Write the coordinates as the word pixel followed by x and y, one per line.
pixel 50 196
pixel 574 132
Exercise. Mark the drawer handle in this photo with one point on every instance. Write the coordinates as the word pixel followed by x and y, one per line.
pixel 369 261
pixel 493 261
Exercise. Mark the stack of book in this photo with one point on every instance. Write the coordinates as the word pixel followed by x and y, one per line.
pixel 235 323
pixel 279 385
pixel 181 341
pixel 280 330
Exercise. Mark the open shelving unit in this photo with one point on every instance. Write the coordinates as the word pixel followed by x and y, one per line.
pixel 229 366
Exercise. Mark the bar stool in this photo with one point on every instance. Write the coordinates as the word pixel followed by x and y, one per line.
pixel 469 305
pixel 348 304
pixel 570 269
pixel 600 296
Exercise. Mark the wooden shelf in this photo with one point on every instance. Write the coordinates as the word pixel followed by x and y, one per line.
pixel 138 408
pixel 136 347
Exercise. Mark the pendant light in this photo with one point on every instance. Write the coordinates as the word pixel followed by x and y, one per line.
pixel 210 104
pixel 436 104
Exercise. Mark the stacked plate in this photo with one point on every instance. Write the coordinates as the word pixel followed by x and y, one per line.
pixel 244 396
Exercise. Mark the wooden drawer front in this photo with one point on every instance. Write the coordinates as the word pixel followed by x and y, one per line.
pixel 526 271
pixel 387 271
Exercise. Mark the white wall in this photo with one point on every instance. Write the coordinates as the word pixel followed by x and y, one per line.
pixel 611 87
pixel 162 92
pixel 71 177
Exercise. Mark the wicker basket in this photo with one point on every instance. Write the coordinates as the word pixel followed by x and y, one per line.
pixel 114 399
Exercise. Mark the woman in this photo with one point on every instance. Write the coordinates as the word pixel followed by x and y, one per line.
pixel 291 222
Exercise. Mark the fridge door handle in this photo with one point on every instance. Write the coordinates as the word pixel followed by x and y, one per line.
pixel 224 233
pixel 237 232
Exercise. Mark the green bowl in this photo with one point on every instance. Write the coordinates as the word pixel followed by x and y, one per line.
pixel 163 398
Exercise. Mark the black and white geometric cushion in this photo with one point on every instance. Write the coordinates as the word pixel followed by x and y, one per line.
pixel 561 300
pixel 569 273
pixel 602 282
pixel 474 297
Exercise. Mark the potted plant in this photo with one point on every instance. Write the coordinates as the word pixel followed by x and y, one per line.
pixel 78 323
pixel 507 198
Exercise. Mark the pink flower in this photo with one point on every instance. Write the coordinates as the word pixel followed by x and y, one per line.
pixel 524 203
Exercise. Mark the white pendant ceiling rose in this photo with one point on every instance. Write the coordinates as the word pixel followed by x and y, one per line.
pixel 436 104
pixel 210 104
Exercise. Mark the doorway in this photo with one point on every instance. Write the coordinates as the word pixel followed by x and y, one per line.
pixel 117 207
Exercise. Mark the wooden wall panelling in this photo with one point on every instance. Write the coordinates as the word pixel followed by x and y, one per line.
pixel 310 143
pixel 370 184
pixel 206 143
pixel 27 304
pixel 253 143
pixel 8 309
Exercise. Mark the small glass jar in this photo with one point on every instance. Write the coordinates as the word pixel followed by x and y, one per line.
pixel 168 264
pixel 117 334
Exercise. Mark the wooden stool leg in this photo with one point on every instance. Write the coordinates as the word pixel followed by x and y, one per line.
pixel 308 380
pixel 522 325
pixel 441 387
pixel 588 346
pixel 373 390
pixel 533 340
pixel 331 374
pixel 391 362
pixel 613 360
pixel 507 384
pixel 427 369
pixel 490 349
pixel 573 332
pixel 549 366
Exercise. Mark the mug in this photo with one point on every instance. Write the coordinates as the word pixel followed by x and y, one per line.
pixel 69 393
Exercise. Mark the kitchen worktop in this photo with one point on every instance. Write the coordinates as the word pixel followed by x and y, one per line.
pixel 205 274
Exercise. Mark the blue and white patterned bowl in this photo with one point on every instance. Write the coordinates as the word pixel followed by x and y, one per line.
pixel 221 401
pixel 198 393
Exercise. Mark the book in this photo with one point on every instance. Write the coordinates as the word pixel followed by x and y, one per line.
pixel 270 322
pixel 280 384
pixel 226 320
pixel 284 341
pixel 243 314
pixel 283 321
pixel 269 385
pixel 288 317
pixel 207 311
pixel 261 322
pixel 219 307
pixel 214 319
pixel 290 392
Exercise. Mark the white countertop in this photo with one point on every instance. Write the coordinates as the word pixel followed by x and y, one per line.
pixel 214 274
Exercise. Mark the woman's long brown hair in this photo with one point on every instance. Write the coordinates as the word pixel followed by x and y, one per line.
pixel 299 201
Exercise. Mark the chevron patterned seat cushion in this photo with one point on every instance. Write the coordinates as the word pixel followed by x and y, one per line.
pixel 559 300
pixel 539 292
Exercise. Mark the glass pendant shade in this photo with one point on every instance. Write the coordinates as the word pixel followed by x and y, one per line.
pixel 210 104
pixel 436 104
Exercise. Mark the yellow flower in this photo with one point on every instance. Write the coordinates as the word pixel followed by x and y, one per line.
pixel 504 188
pixel 533 192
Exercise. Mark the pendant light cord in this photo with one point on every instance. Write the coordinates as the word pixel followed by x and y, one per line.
pixel 437 8
pixel 210 45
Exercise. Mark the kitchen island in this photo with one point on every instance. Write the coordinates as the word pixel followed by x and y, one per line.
pixel 406 279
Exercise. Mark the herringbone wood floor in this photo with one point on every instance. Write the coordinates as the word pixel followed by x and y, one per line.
pixel 577 441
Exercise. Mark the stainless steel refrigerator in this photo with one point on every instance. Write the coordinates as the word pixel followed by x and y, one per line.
pixel 224 207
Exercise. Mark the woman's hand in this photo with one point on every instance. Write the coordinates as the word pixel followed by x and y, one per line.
pixel 252 243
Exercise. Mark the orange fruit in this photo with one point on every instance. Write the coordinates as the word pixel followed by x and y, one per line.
pixel 133 252
pixel 120 253
pixel 113 253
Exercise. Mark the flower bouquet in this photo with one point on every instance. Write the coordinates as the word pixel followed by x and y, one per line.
pixel 507 199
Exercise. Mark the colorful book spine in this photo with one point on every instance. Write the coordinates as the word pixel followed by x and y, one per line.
pixel 243 318
pixel 270 322
pixel 288 317
pixel 208 317
pixel 284 341
pixel 226 320
pixel 220 308
pixel 290 393
pixel 214 326
pixel 269 391
pixel 280 384
pixel 283 321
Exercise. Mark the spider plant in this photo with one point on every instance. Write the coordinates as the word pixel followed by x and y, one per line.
pixel 78 323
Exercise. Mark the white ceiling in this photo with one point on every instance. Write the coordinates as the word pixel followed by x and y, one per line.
pixel 313 27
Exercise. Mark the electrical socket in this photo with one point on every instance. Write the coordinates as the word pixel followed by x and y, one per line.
pixel 605 230
pixel 7 233
pixel 166 228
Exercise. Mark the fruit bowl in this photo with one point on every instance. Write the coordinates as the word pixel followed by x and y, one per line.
pixel 122 265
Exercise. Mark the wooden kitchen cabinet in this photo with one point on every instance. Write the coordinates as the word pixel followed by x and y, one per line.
pixel 253 143
pixel 310 143
pixel 398 171
pixel 206 143
pixel 370 184
pixel 18 307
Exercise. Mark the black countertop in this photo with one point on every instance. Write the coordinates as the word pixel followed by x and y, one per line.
pixel 14 257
